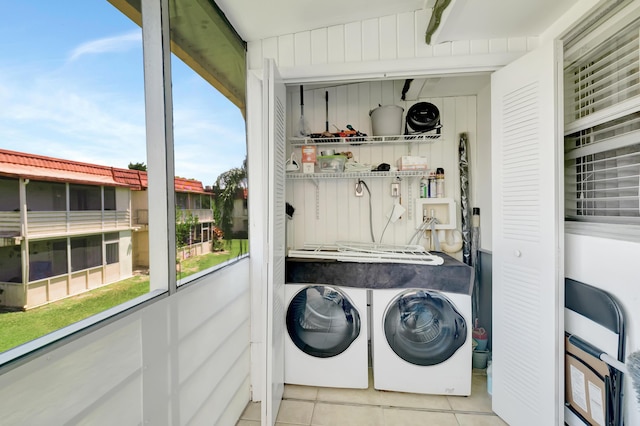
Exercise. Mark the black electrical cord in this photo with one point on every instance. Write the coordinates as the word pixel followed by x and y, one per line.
pixel 361 182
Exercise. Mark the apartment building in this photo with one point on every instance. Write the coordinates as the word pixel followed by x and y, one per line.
pixel 68 227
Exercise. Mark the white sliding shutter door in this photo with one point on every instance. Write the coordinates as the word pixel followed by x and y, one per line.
pixel 527 234
pixel 274 96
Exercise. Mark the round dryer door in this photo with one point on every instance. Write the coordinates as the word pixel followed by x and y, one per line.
pixel 322 321
pixel 423 327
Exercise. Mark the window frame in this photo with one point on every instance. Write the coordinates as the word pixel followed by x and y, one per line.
pixel 592 153
pixel 154 21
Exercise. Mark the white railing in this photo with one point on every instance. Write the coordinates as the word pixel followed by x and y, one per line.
pixel 203 215
pixel 10 223
pixel 60 223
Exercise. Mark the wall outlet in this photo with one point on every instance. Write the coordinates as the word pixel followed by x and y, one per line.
pixel 359 189
pixel 395 189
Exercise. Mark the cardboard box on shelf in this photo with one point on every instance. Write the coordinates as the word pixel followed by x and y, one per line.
pixel 308 158
pixel 412 162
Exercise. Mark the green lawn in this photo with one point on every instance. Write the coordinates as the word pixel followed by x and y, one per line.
pixel 232 249
pixel 17 328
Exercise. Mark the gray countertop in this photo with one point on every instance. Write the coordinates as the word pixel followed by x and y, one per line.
pixel 453 276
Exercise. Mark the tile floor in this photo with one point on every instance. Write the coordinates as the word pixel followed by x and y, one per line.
pixel 306 405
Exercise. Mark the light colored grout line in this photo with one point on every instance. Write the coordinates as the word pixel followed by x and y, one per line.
pixel 429 410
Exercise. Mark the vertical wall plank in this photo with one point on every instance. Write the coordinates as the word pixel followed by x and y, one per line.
pixel 389 96
pixel 302 48
pixel 336 44
pixel 421 21
pixel 319 46
pixel 461 47
pixel 254 54
pixel 370 40
pixel 353 42
pixel 270 49
pixel 498 45
pixel 442 49
pixel 479 47
pixel 286 54
pixel 388 37
pixel 517 44
pixel 406 35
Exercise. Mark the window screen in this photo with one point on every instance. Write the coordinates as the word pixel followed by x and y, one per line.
pixel 602 130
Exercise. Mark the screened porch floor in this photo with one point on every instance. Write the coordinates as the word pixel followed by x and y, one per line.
pixel 307 405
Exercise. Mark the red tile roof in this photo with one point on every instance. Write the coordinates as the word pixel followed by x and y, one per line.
pixel 38 167
pixel 188 185
pixel 132 178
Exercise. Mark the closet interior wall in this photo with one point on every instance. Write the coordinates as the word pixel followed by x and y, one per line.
pixel 340 214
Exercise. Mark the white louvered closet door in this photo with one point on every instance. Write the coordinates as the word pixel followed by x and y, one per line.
pixel 274 96
pixel 527 238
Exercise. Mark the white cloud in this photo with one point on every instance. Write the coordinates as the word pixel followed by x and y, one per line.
pixel 119 43
pixel 54 118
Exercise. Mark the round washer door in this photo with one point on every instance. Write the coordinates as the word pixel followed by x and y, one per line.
pixel 322 321
pixel 423 327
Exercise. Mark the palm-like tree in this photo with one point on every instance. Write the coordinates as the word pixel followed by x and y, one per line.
pixel 225 189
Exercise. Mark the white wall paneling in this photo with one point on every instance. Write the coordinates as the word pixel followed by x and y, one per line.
pixel 353 42
pixel 370 40
pixel 319 43
pixel 406 35
pixel 389 37
pixel 302 43
pixel 383 44
pixel 181 360
pixel 343 216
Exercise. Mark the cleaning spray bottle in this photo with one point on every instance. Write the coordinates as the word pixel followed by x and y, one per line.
pixel 432 185
pixel 440 182
pixel 424 187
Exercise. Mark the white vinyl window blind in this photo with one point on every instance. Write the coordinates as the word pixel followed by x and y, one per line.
pixel 602 129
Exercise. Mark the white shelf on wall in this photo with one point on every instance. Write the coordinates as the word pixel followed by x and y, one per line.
pixel 367 140
pixel 356 175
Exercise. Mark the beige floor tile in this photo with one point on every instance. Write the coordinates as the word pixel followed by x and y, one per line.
pixel 479 420
pixel 479 400
pixel 295 412
pixel 248 423
pixel 412 400
pixel 308 393
pixel 252 412
pixel 346 396
pixel 396 417
pixel 346 415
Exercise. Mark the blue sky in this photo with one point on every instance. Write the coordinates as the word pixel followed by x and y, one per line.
pixel 71 86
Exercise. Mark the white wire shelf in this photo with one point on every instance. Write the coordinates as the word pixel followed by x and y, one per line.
pixel 364 140
pixel 356 175
pixel 349 251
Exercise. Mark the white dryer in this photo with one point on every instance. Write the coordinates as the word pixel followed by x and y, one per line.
pixel 326 341
pixel 422 341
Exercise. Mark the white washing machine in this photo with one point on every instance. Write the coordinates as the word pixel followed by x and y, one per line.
pixel 422 341
pixel 326 340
